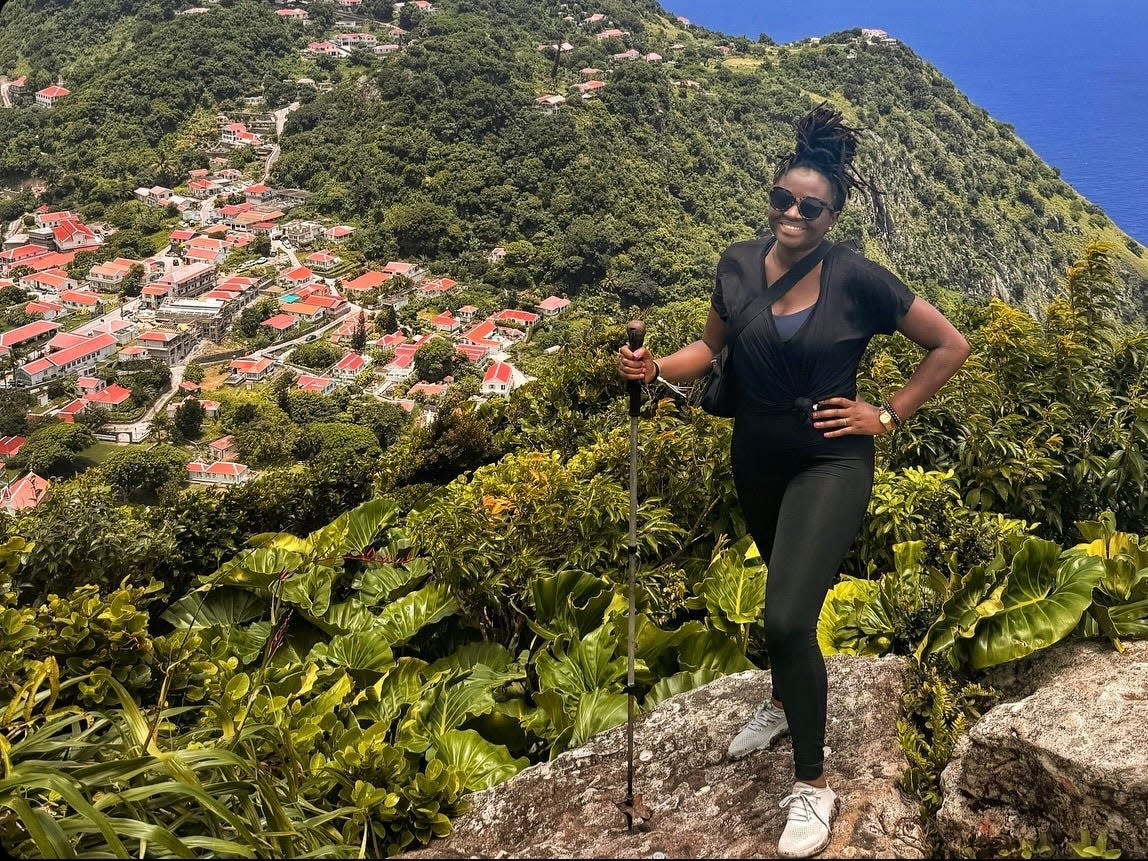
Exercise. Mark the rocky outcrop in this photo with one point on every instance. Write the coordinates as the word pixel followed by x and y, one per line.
pixel 703 804
pixel 1067 751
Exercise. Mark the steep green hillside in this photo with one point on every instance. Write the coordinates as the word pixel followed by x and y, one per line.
pixel 441 152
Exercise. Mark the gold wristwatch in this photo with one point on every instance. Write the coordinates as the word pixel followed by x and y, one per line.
pixel 886 419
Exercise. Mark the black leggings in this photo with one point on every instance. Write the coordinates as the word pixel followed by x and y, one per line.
pixel 803 498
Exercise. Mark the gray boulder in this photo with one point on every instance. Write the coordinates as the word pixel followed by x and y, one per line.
pixel 703 804
pixel 1064 752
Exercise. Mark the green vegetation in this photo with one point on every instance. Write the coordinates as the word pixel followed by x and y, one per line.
pixel 464 617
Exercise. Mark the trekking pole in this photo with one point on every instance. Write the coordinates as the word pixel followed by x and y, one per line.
pixel 633 805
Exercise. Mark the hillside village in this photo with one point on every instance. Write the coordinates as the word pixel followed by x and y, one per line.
pixel 242 285
pixel 181 306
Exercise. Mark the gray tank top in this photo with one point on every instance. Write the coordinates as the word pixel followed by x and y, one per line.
pixel 788 324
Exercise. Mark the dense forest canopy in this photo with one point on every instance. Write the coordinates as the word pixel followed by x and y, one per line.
pixel 439 152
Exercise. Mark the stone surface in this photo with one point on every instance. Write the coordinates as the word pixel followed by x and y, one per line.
pixel 1066 751
pixel 705 805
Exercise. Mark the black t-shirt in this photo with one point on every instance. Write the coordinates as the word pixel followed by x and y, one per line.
pixel 858 299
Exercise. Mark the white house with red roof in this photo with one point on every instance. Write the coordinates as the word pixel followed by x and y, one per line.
pixel 68 412
pixel 320 384
pixel 499 379
pixel 297 15
pixel 429 391
pixel 109 396
pixel 322 259
pixel 402 267
pixel 552 306
pixel 37 330
pixel 167 345
pixel 371 280
pixel 339 232
pixel 303 311
pixel 66 340
pixel 349 367
pixel 81 300
pixel 437 287
pixel 50 281
pixel 251 369
pixel 107 275
pixel 74 235
pixel 632 54
pixel 46 217
pixel 258 194
pixel 223 449
pixel 81 358
pixel 466 313
pixel 589 89
pixel 236 135
pixel 550 102
pixel 481 332
pixel 204 249
pixel 298 277
pixel 49 97
pixel 330 304
pixel 45 310
pixel 281 322
pixel 323 48
pixel 220 472
pixel 24 492
pixel 446 322
pixel 515 318
pixel 400 367
pixel 472 353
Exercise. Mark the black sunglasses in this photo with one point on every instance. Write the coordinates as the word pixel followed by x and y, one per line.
pixel 809 208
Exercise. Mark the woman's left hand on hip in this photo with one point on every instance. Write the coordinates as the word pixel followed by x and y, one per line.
pixel 843 417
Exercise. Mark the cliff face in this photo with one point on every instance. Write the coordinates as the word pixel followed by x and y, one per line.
pixel 703 805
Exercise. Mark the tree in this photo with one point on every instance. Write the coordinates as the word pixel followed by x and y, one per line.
pixel 94 417
pixel 14 407
pixel 386 321
pixel 132 282
pixel 53 450
pixel 261 245
pixel 385 420
pixel 161 426
pixel 194 372
pixel 188 418
pixel 359 336
pixel 317 355
pixel 135 470
pixel 434 359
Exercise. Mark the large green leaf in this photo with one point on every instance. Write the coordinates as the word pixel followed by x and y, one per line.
pixel 970 599
pixel 734 585
pixel 451 703
pixel 354 530
pixel 347 616
pixel 570 602
pixel 589 665
pixel 479 763
pixel 309 589
pixel 678 683
pixel 1043 598
pixel 223 606
pixel 402 619
pixel 489 662
pixel 713 650
pixel 257 568
pixel 837 631
pixel 381 582
pixel 359 650
pixel 401 687
pixel 598 710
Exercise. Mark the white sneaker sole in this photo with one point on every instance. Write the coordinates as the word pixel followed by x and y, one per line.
pixel 820 848
pixel 735 756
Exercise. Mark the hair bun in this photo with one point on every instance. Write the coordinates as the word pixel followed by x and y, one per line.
pixel 823 137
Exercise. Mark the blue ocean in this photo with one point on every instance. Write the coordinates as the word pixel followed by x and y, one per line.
pixel 1071 76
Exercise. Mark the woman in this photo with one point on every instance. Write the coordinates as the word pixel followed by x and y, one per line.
pixel 802 448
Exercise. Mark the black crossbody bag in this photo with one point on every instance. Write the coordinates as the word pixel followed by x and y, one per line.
pixel 718 388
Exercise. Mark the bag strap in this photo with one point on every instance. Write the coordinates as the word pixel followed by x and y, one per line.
pixel 782 285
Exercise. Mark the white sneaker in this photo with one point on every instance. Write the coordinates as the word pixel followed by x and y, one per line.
pixel 768 722
pixel 811 811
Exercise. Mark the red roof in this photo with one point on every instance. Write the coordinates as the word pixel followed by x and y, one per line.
pixel 258 188
pixel 90 345
pixel 499 372
pixel 280 322
pixel 250 365
pixel 553 303
pixel 299 273
pixel 222 444
pixel 367 281
pixel 25 492
pixel 511 316
pixel 352 362
pixel 311 383
pixel 113 395
pixel 53 92
pixel 220 467
pixel 10 445
pixel 182 235
pixel 27 332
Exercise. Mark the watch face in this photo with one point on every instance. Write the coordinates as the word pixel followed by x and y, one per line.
pixel 885 418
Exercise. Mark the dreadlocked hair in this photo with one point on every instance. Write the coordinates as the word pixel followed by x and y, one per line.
pixel 824 143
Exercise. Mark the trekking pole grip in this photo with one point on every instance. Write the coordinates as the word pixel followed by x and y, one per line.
pixel 635 336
